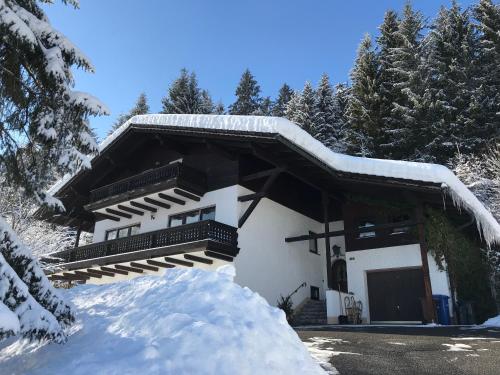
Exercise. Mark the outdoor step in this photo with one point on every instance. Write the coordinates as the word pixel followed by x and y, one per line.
pixel 312 313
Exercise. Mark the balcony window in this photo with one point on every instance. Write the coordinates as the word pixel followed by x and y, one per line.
pixel 192 216
pixel 364 224
pixel 130 230
pixel 400 219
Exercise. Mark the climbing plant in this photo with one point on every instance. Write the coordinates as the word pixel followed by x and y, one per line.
pixel 462 257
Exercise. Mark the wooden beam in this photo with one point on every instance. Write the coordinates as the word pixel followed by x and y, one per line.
pixel 100 272
pixel 429 311
pixel 130 210
pixel 212 254
pixel 72 276
pixel 261 174
pixel 264 189
pixel 119 272
pixel 65 278
pixel 251 197
pixel 144 266
pixel 198 259
pixel 171 199
pixel 129 269
pixel 143 206
pixel 179 262
pixel 325 202
pixel 106 216
pixel 118 213
pixel 159 264
pixel 337 233
pixel 156 202
pixel 86 274
pixel 220 151
pixel 185 194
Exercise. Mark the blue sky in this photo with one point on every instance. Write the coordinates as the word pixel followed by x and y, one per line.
pixel 141 45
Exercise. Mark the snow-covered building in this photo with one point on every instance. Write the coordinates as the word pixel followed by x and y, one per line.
pixel 203 190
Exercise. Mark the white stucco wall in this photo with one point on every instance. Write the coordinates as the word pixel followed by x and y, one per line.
pixel 225 212
pixel 359 262
pixel 269 265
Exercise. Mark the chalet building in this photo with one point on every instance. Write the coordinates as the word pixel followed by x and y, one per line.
pixel 258 192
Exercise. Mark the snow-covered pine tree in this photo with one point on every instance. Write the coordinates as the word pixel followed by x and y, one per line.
pixel 449 81
pixel 219 108
pixel 301 109
pixel 402 63
pixel 388 94
pixel 184 96
pixel 43 127
pixel 325 116
pixel 485 107
pixel 340 123
pixel 141 107
pixel 284 96
pixel 266 107
pixel 247 96
pixel 363 110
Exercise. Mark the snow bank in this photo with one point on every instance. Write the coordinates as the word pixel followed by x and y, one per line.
pixel 432 173
pixel 8 321
pixel 492 322
pixel 186 322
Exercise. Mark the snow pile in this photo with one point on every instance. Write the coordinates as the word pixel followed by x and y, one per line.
pixel 186 322
pixel 492 322
pixel 8 321
pixel 432 173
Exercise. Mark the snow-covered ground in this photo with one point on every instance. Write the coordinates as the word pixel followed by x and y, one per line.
pixel 185 322
pixel 492 322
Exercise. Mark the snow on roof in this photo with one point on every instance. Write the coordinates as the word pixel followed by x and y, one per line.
pixel 433 173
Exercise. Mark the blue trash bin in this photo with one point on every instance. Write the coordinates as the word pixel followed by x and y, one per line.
pixel 442 308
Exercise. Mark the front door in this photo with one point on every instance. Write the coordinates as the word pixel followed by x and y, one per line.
pixel 395 296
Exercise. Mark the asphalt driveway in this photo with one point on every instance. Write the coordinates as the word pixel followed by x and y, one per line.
pixel 404 350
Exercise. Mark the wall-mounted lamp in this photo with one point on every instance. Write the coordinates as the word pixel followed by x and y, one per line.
pixel 336 250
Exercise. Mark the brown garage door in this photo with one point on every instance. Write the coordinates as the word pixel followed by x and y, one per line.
pixel 394 296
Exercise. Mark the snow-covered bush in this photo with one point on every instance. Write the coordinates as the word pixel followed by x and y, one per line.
pixel 189 321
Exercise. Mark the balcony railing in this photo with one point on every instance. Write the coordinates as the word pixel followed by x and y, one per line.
pixel 202 230
pixel 148 178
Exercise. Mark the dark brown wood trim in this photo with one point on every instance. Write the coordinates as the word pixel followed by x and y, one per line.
pixel 251 197
pixel 159 264
pixel 72 276
pixel 144 266
pixel 130 210
pixel 115 270
pixel 256 176
pixel 143 206
pixel 198 259
pixel 179 262
pixel 105 216
pixel 129 269
pixel 87 274
pixel 325 202
pixel 171 199
pixel 184 194
pixel 100 272
pixel 118 213
pixel 212 254
pixel 155 202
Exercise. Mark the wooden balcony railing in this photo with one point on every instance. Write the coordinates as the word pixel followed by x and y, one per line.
pixel 202 230
pixel 148 178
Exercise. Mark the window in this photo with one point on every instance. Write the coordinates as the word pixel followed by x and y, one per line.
pixel 400 219
pixel 364 224
pixel 192 216
pixel 313 244
pixel 122 232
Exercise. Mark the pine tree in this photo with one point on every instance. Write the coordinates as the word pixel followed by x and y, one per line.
pixel 247 96
pixel 292 107
pixel 141 107
pixel 184 96
pixel 219 108
pixel 449 84
pixel 325 115
pixel 266 107
pixel 340 122
pixel 284 96
pixel 302 109
pixel 363 109
pixel 43 127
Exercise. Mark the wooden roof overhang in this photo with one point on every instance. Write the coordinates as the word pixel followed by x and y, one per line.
pixel 300 186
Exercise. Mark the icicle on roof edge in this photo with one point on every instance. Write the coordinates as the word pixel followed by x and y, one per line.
pixel 434 173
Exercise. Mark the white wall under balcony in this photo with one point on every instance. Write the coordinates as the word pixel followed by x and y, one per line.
pixel 225 212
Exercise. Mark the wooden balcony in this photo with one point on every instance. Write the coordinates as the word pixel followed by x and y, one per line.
pixel 220 240
pixel 169 176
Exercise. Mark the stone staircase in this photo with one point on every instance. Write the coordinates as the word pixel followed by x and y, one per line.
pixel 312 313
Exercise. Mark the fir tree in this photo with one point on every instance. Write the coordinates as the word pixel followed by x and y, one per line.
pixel 206 103
pixel 219 108
pixel 449 84
pixel 284 96
pixel 302 109
pixel 266 107
pixel 43 127
pixel 363 108
pixel 292 107
pixel 325 115
pixel 141 107
pixel 247 96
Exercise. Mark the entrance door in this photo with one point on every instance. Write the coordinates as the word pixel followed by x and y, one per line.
pixel 395 296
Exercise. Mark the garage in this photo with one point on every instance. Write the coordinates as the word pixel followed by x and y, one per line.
pixel 395 295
